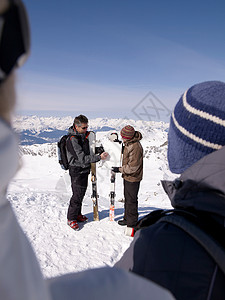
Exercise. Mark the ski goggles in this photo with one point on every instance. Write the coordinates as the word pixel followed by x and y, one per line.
pixel 14 38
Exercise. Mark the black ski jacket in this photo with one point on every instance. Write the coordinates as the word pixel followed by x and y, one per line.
pixel 78 153
pixel 166 254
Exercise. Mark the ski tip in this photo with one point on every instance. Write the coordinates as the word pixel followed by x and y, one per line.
pixel 111 212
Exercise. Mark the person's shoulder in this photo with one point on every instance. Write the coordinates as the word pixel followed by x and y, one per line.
pixel 73 137
pixel 158 231
pixel 106 283
pixel 136 146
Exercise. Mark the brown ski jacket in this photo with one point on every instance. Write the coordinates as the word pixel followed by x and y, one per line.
pixel 132 164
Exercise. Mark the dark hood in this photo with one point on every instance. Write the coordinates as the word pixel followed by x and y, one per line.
pixel 202 186
pixel 71 130
pixel 137 137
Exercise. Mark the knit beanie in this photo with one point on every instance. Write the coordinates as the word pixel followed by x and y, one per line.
pixel 197 125
pixel 127 132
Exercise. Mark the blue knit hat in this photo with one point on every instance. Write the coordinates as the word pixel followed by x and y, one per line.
pixel 197 125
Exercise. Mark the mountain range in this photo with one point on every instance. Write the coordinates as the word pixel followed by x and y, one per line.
pixel 41 130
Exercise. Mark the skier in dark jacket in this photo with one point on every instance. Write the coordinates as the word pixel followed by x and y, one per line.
pixel 163 252
pixel 80 159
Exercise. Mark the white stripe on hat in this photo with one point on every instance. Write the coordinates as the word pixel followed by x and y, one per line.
pixel 194 137
pixel 201 113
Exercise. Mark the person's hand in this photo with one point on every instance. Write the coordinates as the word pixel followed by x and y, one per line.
pixel 115 169
pixel 104 155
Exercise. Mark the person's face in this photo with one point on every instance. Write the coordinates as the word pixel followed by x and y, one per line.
pixel 82 128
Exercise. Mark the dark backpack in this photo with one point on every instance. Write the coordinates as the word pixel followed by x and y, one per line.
pixel 199 225
pixel 63 161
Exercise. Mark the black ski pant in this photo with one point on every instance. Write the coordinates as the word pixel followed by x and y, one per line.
pixel 131 202
pixel 79 184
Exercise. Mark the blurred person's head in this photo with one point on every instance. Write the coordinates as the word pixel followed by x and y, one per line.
pixel 14 50
pixel 197 125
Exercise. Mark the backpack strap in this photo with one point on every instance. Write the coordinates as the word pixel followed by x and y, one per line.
pixel 69 146
pixel 212 247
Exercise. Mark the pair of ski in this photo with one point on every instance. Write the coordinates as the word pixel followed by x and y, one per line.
pixel 94 196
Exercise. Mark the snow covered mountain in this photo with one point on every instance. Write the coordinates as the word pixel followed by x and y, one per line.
pixel 40 193
pixel 39 130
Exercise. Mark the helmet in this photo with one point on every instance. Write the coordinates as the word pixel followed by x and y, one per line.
pixel 14 37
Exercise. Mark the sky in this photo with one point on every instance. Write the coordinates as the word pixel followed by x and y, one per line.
pixel 119 58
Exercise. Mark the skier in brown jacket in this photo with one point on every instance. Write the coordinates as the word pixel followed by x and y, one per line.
pixel 132 173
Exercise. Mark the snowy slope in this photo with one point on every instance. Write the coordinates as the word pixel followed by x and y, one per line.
pixel 40 194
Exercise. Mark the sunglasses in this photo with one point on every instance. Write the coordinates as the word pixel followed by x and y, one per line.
pixel 86 127
pixel 14 38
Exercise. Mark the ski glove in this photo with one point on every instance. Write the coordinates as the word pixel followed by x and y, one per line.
pixel 115 169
